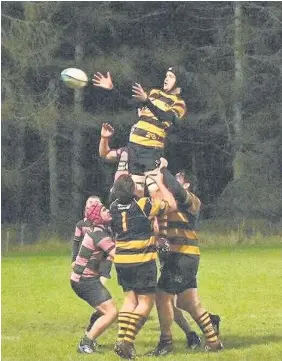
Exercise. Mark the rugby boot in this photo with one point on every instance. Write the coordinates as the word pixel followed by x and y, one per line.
pixel 125 350
pixel 89 347
pixel 214 346
pixel 193 340
pixel 163 348
pixel 215 319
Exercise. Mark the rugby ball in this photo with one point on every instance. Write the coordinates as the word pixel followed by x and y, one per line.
pixel 74 78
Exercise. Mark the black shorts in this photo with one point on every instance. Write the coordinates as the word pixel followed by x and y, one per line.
pixel 178 273
pixel 141 279
pixel 142 159
pixel 91 290
pixel 105 268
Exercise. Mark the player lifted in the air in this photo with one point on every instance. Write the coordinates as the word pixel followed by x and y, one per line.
pixel 159 109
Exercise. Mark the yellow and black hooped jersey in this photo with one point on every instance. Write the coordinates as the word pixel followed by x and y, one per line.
pixel 132 225
pixel 179 228
pixel 151 132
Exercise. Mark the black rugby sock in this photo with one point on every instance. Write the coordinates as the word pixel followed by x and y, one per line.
pixel 94 317
pixel 87 341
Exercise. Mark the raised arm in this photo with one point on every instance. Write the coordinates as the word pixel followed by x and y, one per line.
pixel 173 114
pixel 166 195
pixel 176 188
pixel 105 151
pixel 184 197
pixel 105 82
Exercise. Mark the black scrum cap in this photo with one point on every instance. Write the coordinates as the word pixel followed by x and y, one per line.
pixel 180 74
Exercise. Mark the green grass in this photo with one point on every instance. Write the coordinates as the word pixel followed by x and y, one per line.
pixel 42 318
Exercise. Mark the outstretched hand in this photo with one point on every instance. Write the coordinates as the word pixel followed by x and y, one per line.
pixel 107 130
pixel 102 81
pixel 139 93
pixel 162 163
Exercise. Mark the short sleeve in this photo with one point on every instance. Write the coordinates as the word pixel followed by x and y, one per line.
pixel 153 207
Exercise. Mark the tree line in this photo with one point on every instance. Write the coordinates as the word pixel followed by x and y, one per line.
pixel 231 140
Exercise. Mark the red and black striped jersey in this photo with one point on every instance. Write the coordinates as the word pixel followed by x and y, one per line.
pixel 81 228
pixel 96 243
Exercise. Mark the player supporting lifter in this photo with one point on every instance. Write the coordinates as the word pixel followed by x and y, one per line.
pixel 120 156
pixel 160 109
pixel 135 257
pixel 179 270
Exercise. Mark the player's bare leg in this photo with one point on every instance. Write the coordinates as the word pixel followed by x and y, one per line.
pixel 190 302
pixel 193 340
pixel 164 303
pixel 107 312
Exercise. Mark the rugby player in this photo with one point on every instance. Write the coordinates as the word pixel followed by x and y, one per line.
pixel 159 110
pixel 117 155
pixel 135 257
pixel 85 277
pixel 179 271
pixel 106 152
pixel 83 226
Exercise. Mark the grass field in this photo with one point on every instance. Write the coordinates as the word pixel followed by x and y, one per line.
pixel 42 319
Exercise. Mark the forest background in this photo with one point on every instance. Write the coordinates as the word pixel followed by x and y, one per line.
pixel 231 140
